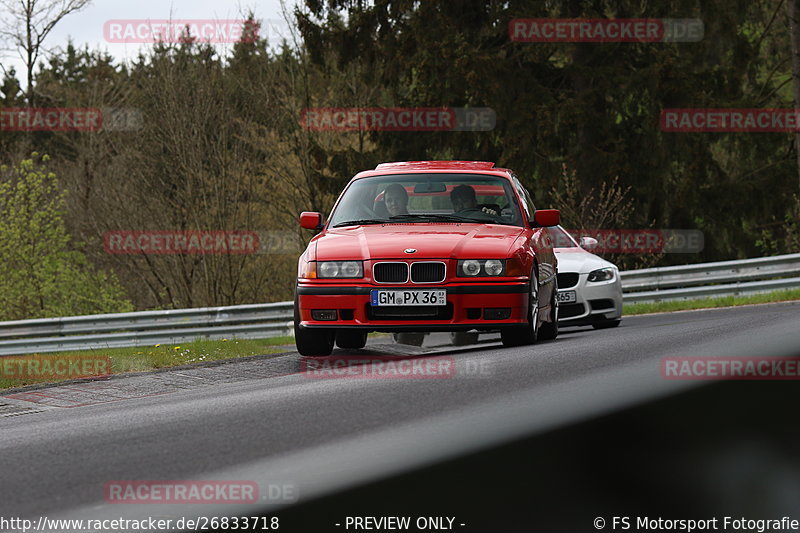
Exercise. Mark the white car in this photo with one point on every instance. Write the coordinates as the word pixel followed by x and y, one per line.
pixel 589 287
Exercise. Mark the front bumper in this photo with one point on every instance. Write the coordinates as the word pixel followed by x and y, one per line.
pixel 596 302
pixel 469 306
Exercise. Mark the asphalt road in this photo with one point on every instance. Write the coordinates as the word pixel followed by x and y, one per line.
pixel 261 420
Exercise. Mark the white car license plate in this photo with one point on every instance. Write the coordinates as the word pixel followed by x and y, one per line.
pixel 567 297
pixel 408 298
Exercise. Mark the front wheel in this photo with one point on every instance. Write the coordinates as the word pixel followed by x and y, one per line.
pixel 409 338
pixel 526 334
pixel 313 341
pixel 549 330
pixel 351 339
pixel 310 341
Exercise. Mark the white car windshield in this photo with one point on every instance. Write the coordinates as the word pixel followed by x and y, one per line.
pixel 561 238
pixel 423 197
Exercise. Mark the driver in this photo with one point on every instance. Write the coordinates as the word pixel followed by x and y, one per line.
pixel 396 199
pixel 464 199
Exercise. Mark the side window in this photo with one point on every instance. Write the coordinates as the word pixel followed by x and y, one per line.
pixel 527 202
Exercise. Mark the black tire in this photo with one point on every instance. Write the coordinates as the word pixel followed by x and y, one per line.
pixel 549 330
pixel 524 335
pixel 312 341
pixel 351 339
pixel 607 324
pixel 410 338
pixel 463 338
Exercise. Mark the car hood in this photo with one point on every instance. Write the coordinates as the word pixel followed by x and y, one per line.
pixel 435 240
pixel 579 260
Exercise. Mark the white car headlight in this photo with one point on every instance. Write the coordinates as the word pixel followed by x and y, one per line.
pixel 340 269
pixel 602 274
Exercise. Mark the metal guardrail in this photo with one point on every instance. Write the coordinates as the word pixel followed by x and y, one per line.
pixel 723 278
pixel 96 332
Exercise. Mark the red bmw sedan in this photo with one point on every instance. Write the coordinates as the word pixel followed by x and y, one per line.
pixel 427 246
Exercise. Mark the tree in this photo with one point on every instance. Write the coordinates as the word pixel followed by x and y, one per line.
pixel 40 275
pixel 10 89
pixel 793 14
pixel 11 95
pixel 27 23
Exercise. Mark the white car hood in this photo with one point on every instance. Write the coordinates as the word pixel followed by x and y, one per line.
pixel 579 260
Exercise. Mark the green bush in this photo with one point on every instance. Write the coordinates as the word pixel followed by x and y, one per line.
pixel 41 274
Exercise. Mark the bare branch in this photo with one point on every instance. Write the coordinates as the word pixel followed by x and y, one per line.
pixel 26 25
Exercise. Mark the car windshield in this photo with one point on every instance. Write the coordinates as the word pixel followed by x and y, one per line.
pixel 428 197
pixel 561 238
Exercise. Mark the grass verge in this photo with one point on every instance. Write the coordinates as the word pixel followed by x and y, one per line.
pixel 707 303
pixel 144 358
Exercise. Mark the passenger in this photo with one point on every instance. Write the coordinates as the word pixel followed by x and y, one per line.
pixel 396 199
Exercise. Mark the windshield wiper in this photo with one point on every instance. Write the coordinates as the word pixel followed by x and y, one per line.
pixel 453 218
pixel 361 222
pixel 431 216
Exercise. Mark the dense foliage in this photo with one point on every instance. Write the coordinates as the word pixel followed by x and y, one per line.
pixel 216 143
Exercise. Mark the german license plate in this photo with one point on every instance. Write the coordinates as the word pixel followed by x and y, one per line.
pixel 380 297
pixel 567 297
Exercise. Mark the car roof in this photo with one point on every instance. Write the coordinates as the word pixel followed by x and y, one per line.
pixel 445 165
pixel 409 167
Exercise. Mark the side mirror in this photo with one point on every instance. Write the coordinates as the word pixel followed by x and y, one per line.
pixel 311 220
pixel 588 242
pixel 545 218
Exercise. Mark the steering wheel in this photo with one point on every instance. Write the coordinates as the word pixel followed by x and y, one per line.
pixel 472 211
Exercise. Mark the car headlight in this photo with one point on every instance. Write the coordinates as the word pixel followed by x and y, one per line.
pixel 470 267
pixel 340 269
pixel 603 274
pixel 481 267
pixel 493 267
